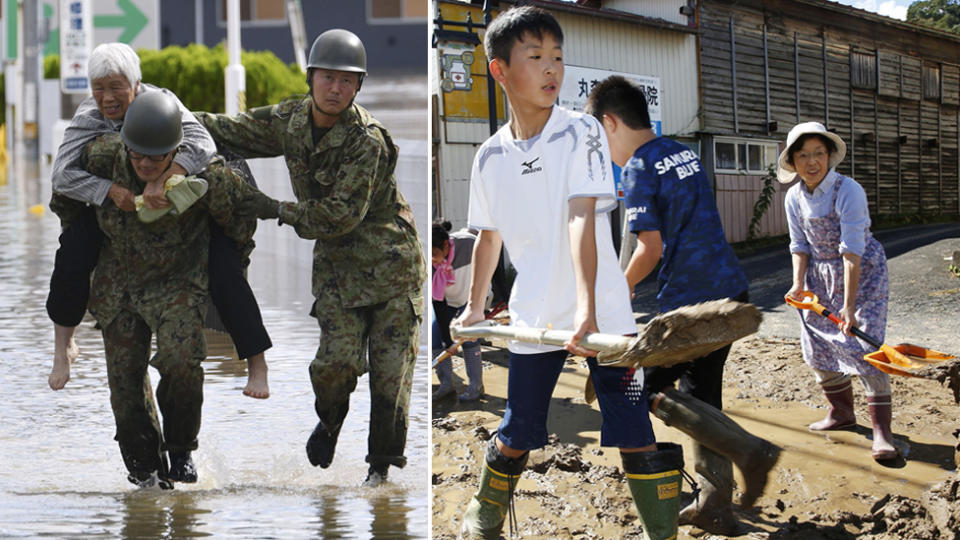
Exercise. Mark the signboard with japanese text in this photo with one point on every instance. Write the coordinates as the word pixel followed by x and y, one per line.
pixel 579 81
pixel 134 22
pixel 463 71
pixel 76 42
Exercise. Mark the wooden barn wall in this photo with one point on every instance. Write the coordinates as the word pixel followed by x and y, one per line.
pixel 901 147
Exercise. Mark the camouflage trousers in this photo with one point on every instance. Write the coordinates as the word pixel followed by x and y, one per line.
pixel 181 347
pixel 388 335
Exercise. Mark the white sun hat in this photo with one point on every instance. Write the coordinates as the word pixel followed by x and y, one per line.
pixel 785 171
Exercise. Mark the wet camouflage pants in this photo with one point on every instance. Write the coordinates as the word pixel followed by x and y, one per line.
pixel 389 334
pixel 181 347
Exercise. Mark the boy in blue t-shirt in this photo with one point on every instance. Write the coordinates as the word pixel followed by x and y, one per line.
pixel 670 207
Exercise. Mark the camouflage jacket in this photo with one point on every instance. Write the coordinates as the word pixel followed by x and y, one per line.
pixel 146 267
pixel 367 248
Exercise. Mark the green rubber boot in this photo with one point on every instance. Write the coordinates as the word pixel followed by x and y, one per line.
pixel 488 507
pixel 655 481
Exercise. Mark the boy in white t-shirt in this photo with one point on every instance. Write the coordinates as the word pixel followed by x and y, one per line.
pixel 541 187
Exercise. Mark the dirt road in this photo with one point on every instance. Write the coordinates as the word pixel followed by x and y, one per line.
pixel 825 485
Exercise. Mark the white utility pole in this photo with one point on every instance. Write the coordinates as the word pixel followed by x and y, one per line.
pixel 234 74
pixel 297 32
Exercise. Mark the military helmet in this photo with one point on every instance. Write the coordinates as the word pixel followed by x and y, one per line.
pixel 338 49
pixel 152 124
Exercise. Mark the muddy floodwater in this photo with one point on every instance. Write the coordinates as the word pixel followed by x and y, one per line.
pixel 62 475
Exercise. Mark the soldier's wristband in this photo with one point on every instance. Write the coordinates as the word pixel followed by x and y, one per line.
pixel 279 214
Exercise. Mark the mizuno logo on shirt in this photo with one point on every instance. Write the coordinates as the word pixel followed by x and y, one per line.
pixel 528 167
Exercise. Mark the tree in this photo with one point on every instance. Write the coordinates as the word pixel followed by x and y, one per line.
pixel 940 14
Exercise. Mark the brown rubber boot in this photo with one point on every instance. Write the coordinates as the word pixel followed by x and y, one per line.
pixel 711 511
pixel 880 414
pixel 755 457
pixel 841 415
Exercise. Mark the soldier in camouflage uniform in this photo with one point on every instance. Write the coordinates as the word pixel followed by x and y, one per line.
pixel 151 278
pixel 368 266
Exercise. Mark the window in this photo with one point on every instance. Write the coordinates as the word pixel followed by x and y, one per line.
pixel 931 81
pixel 742 156
pixel 396 11
pixel 726 156
pixel 863 70
pixel 268 12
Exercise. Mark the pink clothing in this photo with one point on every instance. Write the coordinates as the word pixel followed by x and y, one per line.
pixel 443 274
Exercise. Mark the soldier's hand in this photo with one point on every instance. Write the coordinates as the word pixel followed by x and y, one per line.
pixel 122 197
pixel 258 205
pixel 154 195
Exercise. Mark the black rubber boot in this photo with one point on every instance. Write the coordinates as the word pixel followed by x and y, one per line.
pixel 711 511
pixel 704 423
pixel 182 468
pixel 323 440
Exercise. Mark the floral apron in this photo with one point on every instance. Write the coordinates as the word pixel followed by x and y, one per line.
pixel 825 347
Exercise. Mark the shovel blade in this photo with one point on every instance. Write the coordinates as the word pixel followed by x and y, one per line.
pixel 905 359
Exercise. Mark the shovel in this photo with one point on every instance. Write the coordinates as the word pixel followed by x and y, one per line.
pixel 448 352
pixel 681 335
pixel 904 359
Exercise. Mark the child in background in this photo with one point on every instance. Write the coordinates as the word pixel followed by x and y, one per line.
pixel 452 255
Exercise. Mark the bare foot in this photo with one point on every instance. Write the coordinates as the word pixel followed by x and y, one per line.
pixel 257 378
pixel 62 359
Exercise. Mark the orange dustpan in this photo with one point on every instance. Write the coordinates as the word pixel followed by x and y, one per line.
pixel 903 359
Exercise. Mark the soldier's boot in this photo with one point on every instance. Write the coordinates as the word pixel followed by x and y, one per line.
pixel 181 467
pixel 655 480
pixel 376 475
pixel 445 374
pixel 755 457
pixel 146 480
pixel 144 458
pixel 323 440
pixel 711 511
pixel 880 413
pixel 841 415
pixel 489 505
pixel 474 364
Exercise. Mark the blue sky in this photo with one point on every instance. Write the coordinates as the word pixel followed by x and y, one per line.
pixel 890 8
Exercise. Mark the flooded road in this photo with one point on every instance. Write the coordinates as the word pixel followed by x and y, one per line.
pixel 62 474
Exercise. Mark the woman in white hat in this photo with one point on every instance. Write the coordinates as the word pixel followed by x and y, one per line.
pixel 835 256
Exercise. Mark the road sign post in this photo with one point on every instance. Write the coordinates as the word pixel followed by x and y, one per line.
pixel 76 42
pixel 234 74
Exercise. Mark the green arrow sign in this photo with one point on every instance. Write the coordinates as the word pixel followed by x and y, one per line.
pixel 131 19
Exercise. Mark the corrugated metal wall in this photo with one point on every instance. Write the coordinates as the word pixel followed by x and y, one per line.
pixel 736 195
pixel 604 44
pixel 456 160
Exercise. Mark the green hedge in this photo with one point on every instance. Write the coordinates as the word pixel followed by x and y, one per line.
pixel 195 74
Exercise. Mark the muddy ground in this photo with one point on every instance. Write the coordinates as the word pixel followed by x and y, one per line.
pixel 825 485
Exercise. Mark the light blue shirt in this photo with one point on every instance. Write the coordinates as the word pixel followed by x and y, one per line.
pixel 851 207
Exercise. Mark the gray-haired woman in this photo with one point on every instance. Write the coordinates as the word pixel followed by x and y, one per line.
pixel 114 73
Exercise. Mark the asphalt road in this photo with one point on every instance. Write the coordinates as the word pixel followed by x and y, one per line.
pixel 924 295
